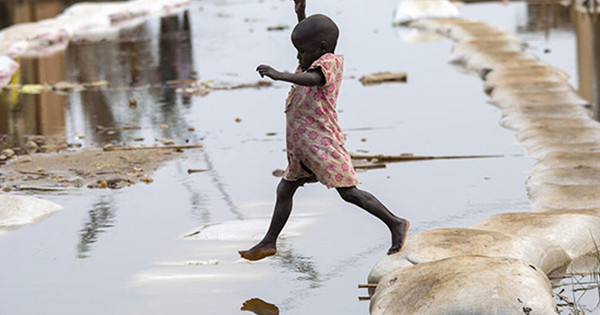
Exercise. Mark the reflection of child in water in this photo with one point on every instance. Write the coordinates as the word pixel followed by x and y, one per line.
pixel 314 139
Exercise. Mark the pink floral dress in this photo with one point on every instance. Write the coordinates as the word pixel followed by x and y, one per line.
pixel 314 138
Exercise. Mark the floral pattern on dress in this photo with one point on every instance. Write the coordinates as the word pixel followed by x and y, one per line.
pixel 314 138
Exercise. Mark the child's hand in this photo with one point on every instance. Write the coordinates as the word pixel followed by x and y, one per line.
pixel 268 71
pixel 300 6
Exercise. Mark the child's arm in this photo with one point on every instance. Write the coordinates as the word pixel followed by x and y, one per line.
pixel 300 6
pixel 308 78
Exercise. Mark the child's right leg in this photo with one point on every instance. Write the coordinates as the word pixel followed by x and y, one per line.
pixel 283 207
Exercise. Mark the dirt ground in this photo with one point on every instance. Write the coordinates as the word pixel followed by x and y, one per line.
pixel 92 168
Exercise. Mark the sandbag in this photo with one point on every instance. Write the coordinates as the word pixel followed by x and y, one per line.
pixel 541 151
pixel 518 120
pixel 567 160
pixel 18 211
pixel 408 10
pixel 537 135
pixel 550 227
pixel 450 242
pixel 464 285
pixel 565 196
pixel 578 175
pixel 524 78
pixel 463 50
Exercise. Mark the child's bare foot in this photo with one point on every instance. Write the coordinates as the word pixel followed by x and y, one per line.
pixel 259 251
pixel 399 236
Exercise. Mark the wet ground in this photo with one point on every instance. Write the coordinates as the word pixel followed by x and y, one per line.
pixel 124 251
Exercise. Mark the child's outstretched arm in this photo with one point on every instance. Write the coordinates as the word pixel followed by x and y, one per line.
pixel 300 6
pixel 307 78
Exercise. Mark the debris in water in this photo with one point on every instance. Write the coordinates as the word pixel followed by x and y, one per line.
pixel 147 179
pixel 132 103
pixel 32 89
pixel 109 130
pixel 191 171
pixel 238 120
pixel 278 28
pixel 205 87
pixel 166 141
pixel 381 77
pixel 110 147
pixel 25 159
pixel 8 153
pixel 31 147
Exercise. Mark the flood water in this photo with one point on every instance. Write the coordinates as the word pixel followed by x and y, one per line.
pixel 124 251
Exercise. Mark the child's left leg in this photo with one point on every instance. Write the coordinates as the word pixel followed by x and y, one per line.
pixel 398 226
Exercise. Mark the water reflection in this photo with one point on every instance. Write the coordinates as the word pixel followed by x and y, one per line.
pixel 544 17
pixel 100 218
pixel 26 114
pixel 260 307
pixel 551 15
pixel 300 264
pixel 13 12
pixel 587 30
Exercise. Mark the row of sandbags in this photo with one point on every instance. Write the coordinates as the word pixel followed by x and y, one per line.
pixel 499 265
pixel 88 21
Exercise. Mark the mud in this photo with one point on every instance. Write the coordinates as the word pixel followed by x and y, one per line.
pixel 91 168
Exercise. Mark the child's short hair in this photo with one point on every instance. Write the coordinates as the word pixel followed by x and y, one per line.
pixel 319 27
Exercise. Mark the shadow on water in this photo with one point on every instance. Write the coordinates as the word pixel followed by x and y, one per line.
pixel 100 218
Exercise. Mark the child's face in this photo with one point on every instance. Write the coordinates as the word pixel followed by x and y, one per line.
pixel 308 52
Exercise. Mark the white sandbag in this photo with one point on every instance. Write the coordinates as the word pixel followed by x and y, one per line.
pixel 538 98
pixel 42 38
pixel 565 196
pixel 413 35
pixel 463 50
pixel 451 242
pixel 521 117
pixel 408 10
pixel 578 175
pixel 506 73
pixel 539 152
pixel 559 134
pixel 18 211
pixel 517 88
pixel 567 160
pixel 550 227
pixel 465 285
pixel 525 78
pixel 535 116
pixel 483 63
pixel 8 67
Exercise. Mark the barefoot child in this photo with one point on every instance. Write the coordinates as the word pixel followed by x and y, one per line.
pixel 315 150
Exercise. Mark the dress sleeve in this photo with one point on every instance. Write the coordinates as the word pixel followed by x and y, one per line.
pixel 328 67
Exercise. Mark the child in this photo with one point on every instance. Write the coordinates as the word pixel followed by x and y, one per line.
pixel 314 139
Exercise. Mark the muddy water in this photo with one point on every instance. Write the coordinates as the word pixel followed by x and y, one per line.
pixel 123 252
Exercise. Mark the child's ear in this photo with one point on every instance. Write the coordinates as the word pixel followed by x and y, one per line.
pixel 324 46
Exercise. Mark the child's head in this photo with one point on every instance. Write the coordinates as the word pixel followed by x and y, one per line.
pixel 313 37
